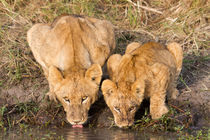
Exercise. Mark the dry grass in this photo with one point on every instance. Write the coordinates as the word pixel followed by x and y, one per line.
pixel 186 22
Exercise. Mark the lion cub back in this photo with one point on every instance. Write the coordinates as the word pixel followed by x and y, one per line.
pixel 72 40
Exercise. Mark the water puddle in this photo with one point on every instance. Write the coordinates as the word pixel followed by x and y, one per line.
pixel 81 134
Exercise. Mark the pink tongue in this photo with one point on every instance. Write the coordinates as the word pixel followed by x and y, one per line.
pixel 77 125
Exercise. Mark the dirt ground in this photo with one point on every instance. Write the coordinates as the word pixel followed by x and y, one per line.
pixel 194 91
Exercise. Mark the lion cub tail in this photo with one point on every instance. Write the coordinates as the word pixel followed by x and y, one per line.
pixel 177 52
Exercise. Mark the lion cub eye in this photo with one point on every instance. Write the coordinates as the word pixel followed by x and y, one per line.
pixel 132 108
pixel 93 78
pixel 117 109
pixel 84 99
pixel 138 90
pixel 66 99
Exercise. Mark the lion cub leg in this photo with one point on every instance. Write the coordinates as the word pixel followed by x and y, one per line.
pixel 50 95
pixel 158 92
pixel 157 105
pixel 172 90
pixel 49 72
pixel 176 50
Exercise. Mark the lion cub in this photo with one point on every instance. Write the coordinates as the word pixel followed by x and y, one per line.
pixel 72 51
pixel 145 71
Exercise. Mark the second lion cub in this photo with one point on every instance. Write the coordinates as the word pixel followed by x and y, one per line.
pixel 145 71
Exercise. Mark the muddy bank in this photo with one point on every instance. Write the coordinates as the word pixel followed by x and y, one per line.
pixel 21 101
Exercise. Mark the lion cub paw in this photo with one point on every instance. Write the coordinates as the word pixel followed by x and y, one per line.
pixel 174 94
pixel 158 114
pixel 51 96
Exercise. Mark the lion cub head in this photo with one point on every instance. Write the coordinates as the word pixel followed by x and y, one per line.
pixel 123 100
pixel 76 91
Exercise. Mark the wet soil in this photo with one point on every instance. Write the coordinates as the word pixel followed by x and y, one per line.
pixel 193 84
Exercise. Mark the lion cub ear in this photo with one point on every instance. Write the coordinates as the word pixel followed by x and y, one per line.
pixel 108 87
pixel 94 73
pixel 113 63
pixel 138 89
pixel 132 47
pixel 55 76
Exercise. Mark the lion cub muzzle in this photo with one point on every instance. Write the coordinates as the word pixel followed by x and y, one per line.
pixel 76 115
pixel 123 122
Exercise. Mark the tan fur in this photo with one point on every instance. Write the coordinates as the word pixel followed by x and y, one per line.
pixel 72 51
pixel 145 71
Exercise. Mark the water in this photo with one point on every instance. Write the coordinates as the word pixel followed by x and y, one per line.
pixel 81 134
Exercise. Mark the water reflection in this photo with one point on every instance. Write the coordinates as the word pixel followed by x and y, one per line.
pixel 99 134
pixel 111 134
pixel 83 134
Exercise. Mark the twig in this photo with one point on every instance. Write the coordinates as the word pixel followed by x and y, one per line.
pixel 138 31
pixel 33 114
pixel 176 108
pixel 18 121
pixel 182 80
pixel 176 120
pixel 113 124
pixel 195 43
pixel 144 31
pixel 11 111
pixel 152 123
pixel 2 65
pixel 146 8
pixel 55 114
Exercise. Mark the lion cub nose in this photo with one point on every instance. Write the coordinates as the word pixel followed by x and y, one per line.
pixel 76 121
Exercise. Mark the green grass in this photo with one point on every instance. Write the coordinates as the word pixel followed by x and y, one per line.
pixel 201 134
pixel 169 122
